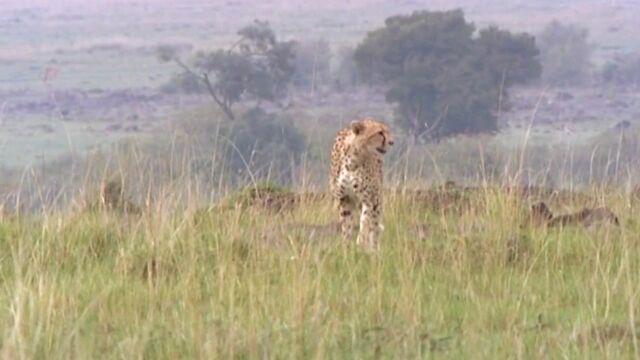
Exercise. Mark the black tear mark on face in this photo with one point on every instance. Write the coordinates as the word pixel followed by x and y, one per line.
pixel 382 149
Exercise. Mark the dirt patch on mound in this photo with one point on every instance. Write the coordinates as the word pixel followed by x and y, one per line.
pixel 271 198
pixel 448 198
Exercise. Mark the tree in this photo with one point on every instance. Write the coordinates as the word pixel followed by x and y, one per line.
pixel 257 66
pixel 442 78
pixel 565 53
pixel 312 63
pixel 513 58
pixel 346 74
pixel 264 146
pixel 622 70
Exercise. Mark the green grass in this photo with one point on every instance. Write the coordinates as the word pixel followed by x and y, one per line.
pixel 245 283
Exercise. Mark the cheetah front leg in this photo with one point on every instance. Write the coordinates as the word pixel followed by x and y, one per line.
pixel 370 227
pixel 347 207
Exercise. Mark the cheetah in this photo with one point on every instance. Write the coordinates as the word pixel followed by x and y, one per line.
pixel 586 217
pixel 356 177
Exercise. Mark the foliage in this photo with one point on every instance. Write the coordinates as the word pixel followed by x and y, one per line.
pixel 256 66
pixel 624 70
pixel 512 58
pixel 184 82
pixel 346 74
pixel 257 147
pixel 443 79
pixel 264 146
pixel 565 53
pixel 312 63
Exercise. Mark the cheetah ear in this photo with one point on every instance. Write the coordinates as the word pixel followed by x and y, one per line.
pixel 357 127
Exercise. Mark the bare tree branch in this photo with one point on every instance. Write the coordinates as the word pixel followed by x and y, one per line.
pixel 431 129
pixel 205 78
pixel 225 107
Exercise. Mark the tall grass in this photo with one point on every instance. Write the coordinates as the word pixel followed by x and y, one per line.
pixel 481 282
pixel 467 277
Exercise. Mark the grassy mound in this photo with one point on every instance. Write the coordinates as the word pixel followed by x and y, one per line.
pixel 479 282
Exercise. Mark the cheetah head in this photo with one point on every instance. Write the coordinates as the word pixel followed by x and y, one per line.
pixel 541 211
pixel 372 134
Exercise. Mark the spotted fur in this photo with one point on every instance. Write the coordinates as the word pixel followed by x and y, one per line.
pixel 586 217
pixel 356 177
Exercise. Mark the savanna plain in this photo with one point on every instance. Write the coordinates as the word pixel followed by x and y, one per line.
pixel 164 239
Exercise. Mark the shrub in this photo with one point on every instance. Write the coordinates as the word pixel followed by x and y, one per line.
pixel 565 53
pixel 312 63
pixel 346 73
pixel 624 70
pixel 264 146
pixel 184 83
